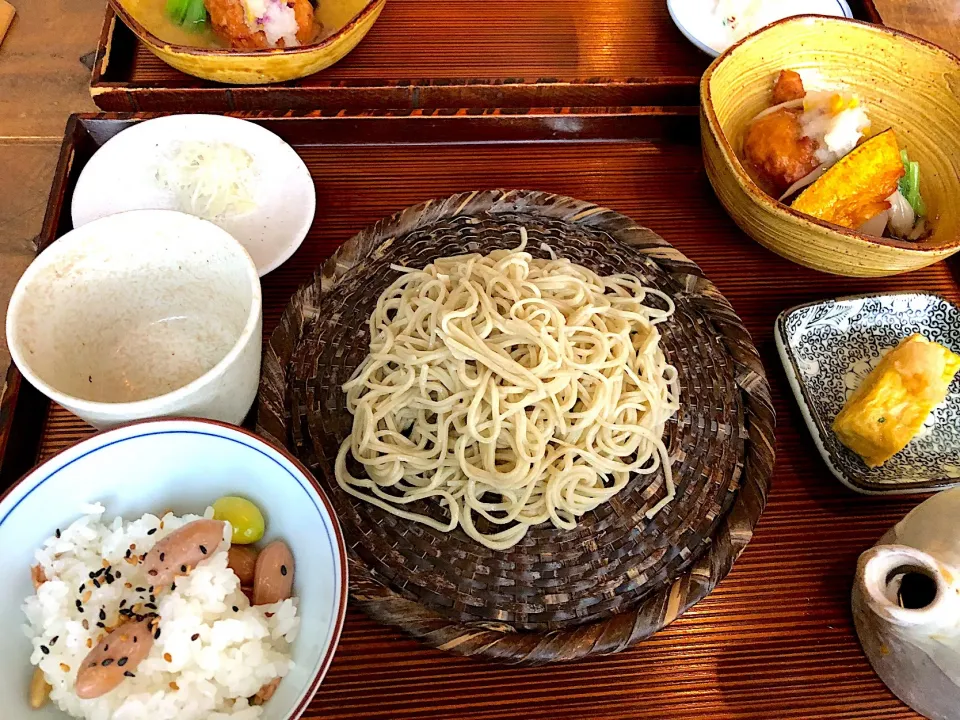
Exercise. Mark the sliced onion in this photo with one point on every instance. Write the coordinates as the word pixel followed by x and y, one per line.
pixel 808 179
pixel 919 231
pixel 875 225
pixel 774 108
pixel 902 216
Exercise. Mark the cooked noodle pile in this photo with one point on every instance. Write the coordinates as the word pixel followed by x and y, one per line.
pixel 509 388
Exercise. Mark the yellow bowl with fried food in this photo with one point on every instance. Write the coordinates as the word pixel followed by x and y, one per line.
pixel 341 24
pixel 905 83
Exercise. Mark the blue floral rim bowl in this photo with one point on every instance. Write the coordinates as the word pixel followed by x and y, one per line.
pixel 829 347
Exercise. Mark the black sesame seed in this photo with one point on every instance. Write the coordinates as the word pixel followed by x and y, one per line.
pixel 96 584
pixel 236 609
pixel 283 570
pixel 107 662
pixel 122 661
pixel 128 553
pixel 123 602
pixel 109 579
pixel 141 589
pixel 79 609
pixel 127 673
pixel 150 588
pixel 152 573
pixel 101 625
pixel 203 550
pixel 44 649
pixel 53 640
pixel 151 606
pixel 173 586
pixel 57 533
pixel 135 638
pixel 118 575
pixel 91 575
pixel 162 556
pixel 183 568
pixel 195 636
pixel 82 588
pixel 79 604
pixel 106 647
pixel 151 531
pixel 99 572
pixel 156 635
pixel 103 615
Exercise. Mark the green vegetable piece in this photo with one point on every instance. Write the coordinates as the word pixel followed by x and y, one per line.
pixel 189 14
pixel 244 517
pixel 910 184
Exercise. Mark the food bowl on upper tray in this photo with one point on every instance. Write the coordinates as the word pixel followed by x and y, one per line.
pixel 228 45
pixel 860 80
pixel 829 348
pixel 603 556
pixel 127 529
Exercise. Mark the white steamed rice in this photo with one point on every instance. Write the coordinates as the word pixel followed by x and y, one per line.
pixel 235 654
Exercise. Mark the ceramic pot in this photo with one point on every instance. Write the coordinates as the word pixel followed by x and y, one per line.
pixel 906 607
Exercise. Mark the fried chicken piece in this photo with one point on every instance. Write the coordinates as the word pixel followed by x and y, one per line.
pixel 228 18
pixel 775 151
pixel 789 86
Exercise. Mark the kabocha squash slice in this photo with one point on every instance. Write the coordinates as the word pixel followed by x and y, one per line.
pixel 856 188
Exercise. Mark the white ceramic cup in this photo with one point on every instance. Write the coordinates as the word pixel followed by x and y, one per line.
pixel 143 314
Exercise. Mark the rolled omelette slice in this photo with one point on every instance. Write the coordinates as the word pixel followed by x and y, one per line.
pixel 888 409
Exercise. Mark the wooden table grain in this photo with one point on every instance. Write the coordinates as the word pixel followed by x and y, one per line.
pixel 775 640
pixel 935 20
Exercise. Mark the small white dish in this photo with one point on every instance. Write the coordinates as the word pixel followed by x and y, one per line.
pixel 184 466
pixel 701 23
pixel 144 314
pixel 828 348
pixel 122 176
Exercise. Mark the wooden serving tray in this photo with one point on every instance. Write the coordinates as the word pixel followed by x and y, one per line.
pixel 775 640
pixel 450 54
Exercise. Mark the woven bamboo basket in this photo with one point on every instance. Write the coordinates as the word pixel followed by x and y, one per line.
pixel 557 595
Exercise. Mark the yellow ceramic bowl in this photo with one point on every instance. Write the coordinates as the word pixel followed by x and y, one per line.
pixel 906 83
pixel 345 22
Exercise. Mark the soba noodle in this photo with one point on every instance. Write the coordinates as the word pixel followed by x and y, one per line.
pixel 508 388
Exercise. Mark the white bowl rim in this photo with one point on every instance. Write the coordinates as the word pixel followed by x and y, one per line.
pixel 98 439
pixel 843 5
pixel 145 406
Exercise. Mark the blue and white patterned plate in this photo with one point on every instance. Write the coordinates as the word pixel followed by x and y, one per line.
pixel 828 348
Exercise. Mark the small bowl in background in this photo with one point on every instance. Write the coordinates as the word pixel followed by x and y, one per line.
pixel 828 348
pixel 251 67
pixel 700 24
pixel 183 466
pixel 905 83
pixel 141 314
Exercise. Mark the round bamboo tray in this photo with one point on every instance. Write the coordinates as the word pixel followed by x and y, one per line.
pixel 557 595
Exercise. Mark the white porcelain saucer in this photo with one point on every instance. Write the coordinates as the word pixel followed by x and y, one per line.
pixel 121 176
pixel 700 24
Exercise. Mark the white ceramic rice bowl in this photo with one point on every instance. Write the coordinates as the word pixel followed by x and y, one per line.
pixel 183 465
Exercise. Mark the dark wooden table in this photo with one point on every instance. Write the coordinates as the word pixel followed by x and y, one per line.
pixel 775 640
